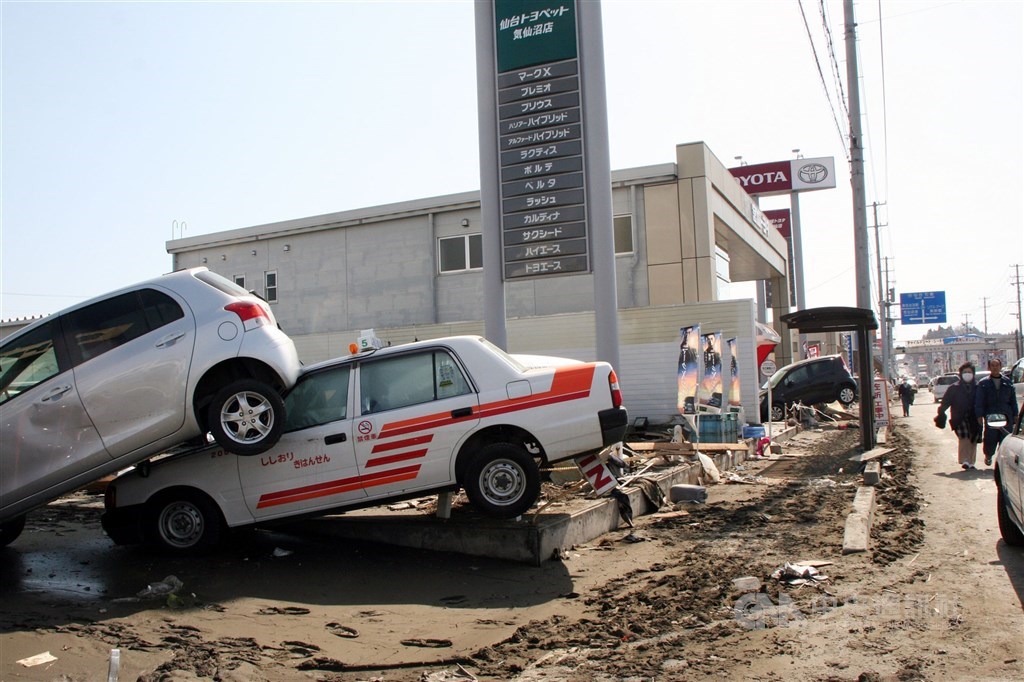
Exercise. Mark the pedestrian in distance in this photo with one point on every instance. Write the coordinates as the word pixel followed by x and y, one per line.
pixel 994 395
pixel 906 393
pixel 959 400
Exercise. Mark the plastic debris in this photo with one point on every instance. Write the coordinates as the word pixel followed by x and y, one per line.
pixel 798 574
pixel 38 659
pixel 709 467
pixel 168 585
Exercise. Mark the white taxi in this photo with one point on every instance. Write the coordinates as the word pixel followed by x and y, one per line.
pixel 379 426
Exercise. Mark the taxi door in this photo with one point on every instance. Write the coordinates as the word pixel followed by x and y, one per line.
pixel 415 409
pixel 312 468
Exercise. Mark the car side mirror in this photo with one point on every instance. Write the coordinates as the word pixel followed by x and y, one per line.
pixel 996 421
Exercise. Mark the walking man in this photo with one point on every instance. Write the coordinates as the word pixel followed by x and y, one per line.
pixel 994 395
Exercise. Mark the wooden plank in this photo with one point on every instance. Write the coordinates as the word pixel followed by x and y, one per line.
pixel 873 453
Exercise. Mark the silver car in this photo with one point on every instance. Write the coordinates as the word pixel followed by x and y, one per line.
pixel 1009 478
pixel 107 383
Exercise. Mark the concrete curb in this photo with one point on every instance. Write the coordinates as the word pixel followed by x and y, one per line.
pixel 857 534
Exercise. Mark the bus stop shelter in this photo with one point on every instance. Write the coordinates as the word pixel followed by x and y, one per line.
pixel 840 319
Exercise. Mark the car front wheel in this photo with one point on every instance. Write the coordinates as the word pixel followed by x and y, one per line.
pixel 503 481
pixel 185 522
pixel 847 395
pixel 246 417
pixel 11 529
pixel 1010 532
pixel 778 412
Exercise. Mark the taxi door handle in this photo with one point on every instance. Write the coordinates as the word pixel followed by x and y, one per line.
pixel 462 412
pixel 336 438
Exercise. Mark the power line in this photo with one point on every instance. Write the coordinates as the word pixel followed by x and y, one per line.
pixel 821 74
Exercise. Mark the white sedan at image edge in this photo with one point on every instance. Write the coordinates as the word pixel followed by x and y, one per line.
pixel 107 383
pixel 1009 478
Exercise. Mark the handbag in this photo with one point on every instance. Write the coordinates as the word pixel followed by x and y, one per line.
pixel 940 420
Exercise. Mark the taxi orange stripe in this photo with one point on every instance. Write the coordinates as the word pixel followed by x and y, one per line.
pixel 343 485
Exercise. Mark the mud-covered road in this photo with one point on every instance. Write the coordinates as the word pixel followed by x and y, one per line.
pixel 938 596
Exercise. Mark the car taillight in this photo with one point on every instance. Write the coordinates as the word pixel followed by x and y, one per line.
pixel 252 315
pixel 613 385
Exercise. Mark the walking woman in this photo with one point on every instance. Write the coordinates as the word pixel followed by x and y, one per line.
pixel 959 400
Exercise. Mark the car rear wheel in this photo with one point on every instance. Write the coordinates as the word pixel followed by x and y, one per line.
pixel 246 417
pixel 11 529
pixel 185 522
pixel 1010 532
pixel 502 481
pixel 847 395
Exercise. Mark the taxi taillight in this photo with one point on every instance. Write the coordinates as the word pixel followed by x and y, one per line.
pixel 613 385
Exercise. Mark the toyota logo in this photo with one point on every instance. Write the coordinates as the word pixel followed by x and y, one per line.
pixel 812 173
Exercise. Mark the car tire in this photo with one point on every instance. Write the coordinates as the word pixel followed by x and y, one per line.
pixel 778 412
pixel 502 481
pixel 847 395
pixel 1010 532
pixel 246 417
pixel 184 522
pixel 11 529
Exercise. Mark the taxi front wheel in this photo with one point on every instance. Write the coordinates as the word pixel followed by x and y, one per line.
pixel 185 522
pixel 502 481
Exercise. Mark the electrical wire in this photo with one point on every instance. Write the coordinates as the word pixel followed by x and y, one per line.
pixel 844 138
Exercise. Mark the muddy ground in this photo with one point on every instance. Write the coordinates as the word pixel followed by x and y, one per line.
pixel 656 602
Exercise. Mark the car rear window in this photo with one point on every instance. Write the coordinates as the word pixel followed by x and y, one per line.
pixel 945 381
pixel 221 284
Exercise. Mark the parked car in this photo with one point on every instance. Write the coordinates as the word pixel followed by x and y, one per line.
pixel 107 383
pixel 1016 374
pixel 381 426
pixel 942 382
pixel 1009 478
pixel 824 379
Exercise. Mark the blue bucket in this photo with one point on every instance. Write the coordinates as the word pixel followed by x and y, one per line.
pixel 753 431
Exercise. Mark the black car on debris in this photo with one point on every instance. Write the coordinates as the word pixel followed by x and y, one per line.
pixel 824 379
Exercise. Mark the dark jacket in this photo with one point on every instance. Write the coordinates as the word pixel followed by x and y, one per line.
pixel 959 400
pixel 988 400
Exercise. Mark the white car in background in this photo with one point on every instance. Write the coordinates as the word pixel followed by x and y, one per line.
pixel 112 381
pixel 1009 478
pixel 942 382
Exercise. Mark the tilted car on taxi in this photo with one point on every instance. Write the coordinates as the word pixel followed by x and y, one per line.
pixel 106 383
pixel 380 426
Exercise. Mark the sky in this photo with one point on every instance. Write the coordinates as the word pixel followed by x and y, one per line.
pixel 125 124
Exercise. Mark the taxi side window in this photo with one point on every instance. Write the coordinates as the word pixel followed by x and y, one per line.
pixel 27 361
pixel 392 383
pixel 320 398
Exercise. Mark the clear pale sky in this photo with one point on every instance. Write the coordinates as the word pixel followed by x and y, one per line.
pixel 122 120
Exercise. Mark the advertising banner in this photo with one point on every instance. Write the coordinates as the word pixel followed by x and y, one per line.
pixel 734 376
pixel 710 393
pixel 689 370
pixel 783 177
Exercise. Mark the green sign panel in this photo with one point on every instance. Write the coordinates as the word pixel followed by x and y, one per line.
pixel 533 32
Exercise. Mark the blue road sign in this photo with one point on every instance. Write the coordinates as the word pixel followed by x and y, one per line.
pixel 923 307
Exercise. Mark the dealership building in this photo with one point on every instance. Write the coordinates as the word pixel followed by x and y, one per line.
pixel 686 235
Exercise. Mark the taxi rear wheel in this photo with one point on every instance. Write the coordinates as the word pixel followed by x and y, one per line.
pixel 502 481
pixel 185 522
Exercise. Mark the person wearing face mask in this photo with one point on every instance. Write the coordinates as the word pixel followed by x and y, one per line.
pixel 995 395
pixel 959 400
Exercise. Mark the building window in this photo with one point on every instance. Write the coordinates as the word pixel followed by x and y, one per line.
pixel 239 280
pixel 459 254
pixel 270 286
pixel 623 227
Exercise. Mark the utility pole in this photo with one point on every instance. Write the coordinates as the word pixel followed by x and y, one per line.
pixel 984 313
pixel 888 298
pixel 860 230
pixel 1020 336
pixel 967 323
pixel 882 307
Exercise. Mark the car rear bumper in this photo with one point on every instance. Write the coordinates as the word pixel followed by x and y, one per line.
pixel 613 425
pixel 124 525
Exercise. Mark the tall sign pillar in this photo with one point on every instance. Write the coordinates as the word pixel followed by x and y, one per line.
pixel 544 164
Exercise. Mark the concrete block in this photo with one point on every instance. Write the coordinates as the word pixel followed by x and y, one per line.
pixel 688 493
pixel 857 533
pixel 872 473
